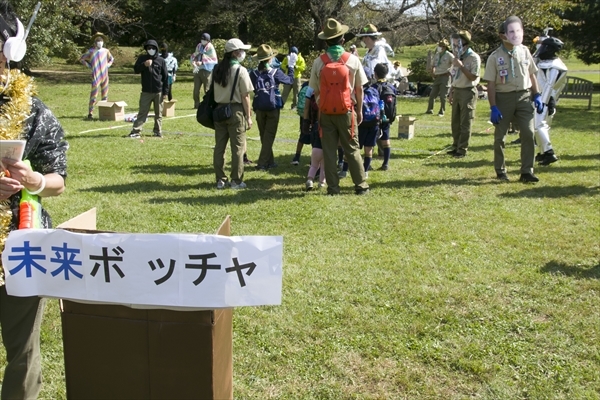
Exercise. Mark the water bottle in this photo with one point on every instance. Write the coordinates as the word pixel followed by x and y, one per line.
pixel 382 110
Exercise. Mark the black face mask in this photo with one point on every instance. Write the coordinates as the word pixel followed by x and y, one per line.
pixel 547 53
pixel 164 53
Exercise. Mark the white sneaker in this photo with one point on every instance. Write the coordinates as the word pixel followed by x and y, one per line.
pixel 309 184
pixel 342 174
pixel 240 185
pixel 220 184
pixel 321 184
pixel 366 175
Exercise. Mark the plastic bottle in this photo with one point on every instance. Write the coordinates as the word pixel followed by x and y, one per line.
pixel 382 110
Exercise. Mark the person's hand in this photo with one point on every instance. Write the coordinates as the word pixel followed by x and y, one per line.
pixel 537 101
pixel 305 129
pixel 19 176
pixel 148 63
pixel 249 123
pixel 496 115
pixel 174 77
pixel 359 117
pixel 165 98
pixel 292 58
pixel 456 62
pixel 551 107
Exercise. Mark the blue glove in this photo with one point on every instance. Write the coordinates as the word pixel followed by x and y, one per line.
pixel 495 116
pixel 537 101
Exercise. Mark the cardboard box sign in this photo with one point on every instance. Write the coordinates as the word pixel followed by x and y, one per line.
pixel 111 110
pixel 117 352
pixel 406 127
pixel 169 108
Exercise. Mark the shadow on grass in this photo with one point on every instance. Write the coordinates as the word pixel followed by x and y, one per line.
pixel 554 192
pixel 571 157
pixel 557 268
pixel 428 183
pixel 574 117
pixel 70 78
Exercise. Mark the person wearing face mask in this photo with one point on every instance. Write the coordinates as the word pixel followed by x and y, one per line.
pixel 513 95
pixel 230 78
pixel 463 95
pixel 203 59
pixel 172 67
pixel 442 63
pixel 155 84
pixel 377 51
pixel 295 61
pixel 99 59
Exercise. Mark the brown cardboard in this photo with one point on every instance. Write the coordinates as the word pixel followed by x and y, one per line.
pixel 406 127
pixel 169 108
pixel 117 352
pixel 111 110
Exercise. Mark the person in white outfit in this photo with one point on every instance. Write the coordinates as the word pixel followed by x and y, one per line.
pixel 551 77
pixel 377 53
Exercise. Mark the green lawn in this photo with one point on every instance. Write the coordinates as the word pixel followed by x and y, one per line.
pixel 440 284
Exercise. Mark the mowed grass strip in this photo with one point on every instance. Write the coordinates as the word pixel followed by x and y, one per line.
pixel 441 283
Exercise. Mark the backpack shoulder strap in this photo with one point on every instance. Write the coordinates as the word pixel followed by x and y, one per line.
pixel 344 58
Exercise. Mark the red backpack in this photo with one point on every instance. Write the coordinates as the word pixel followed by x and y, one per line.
pixel 334 96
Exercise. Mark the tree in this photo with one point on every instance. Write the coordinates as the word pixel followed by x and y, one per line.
pixel 581 32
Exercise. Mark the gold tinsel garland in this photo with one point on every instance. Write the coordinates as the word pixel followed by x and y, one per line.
pixel 13 114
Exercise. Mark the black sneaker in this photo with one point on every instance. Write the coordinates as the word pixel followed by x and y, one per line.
pixel 272 165
pixel 133 135
pixel 429 112
pixel 157 134
pixel 90 117
pixel 260 168
pixel 451 152
pixel 384 167
pixel 361 191
pixel 528 178
pixel 502 177
pixel 459 155
pixel 518 141
pixel 539 157
pixel 548 158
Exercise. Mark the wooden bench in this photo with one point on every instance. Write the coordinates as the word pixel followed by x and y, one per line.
pixel 577 88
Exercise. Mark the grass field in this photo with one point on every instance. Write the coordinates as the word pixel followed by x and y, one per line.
pixel 440 284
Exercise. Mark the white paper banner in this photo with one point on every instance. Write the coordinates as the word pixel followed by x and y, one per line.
pixel 162 270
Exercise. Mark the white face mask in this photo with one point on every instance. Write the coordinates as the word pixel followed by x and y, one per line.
pixel 514 33
pixel 204 42
pixel 363 44
pixel 99 44
pixel 151 52
pixel 242 56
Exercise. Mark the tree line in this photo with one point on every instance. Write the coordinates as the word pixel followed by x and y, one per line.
pixel 64 26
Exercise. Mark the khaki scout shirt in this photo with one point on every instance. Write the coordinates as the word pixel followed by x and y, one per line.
pixel 244 85
pixel 472 62
pixel 511 73
pixel 357 74
pixel 442 62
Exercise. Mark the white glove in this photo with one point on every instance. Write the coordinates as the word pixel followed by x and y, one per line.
pixel 292 58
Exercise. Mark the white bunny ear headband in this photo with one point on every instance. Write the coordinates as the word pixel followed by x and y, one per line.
pixel 14 42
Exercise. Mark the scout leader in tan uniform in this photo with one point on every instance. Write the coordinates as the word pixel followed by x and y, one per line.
pixel 463 95
pixel 511 75
pixel 442 63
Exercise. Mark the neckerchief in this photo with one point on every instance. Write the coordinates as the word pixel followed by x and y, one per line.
pixel 511 54
pixel 464 55
pixel 335 52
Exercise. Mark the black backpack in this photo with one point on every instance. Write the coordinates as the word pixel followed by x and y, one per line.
pixel 387 93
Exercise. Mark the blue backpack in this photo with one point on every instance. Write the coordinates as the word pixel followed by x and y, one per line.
pixel 370 110
pixel 265 91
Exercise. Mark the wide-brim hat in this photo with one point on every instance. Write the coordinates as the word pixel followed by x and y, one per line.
pixel 445 43
pixel 99 34
pixel 465 36
pixel 332 29
pixel 264 52
pixel 369 30
pixel 235 44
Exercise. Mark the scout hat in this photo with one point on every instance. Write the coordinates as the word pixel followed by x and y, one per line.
pixel 332 29
pixel 444 43
pixel 235 44
pixel 264 52
pixel 99 34
pixel 369 30
pixel 465 36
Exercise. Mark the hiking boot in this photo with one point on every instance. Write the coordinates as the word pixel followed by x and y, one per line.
pixel 459 155
pixel 451 152
pixel 157 134
pixel 240 185
pixel 295 161
pixel 133 135
pixel 309 185
pixel 361 191
pixel 343 174
pixel 528 178
pixel 539 157
pixel 429 112
pixel 502 177
pixel 384 167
